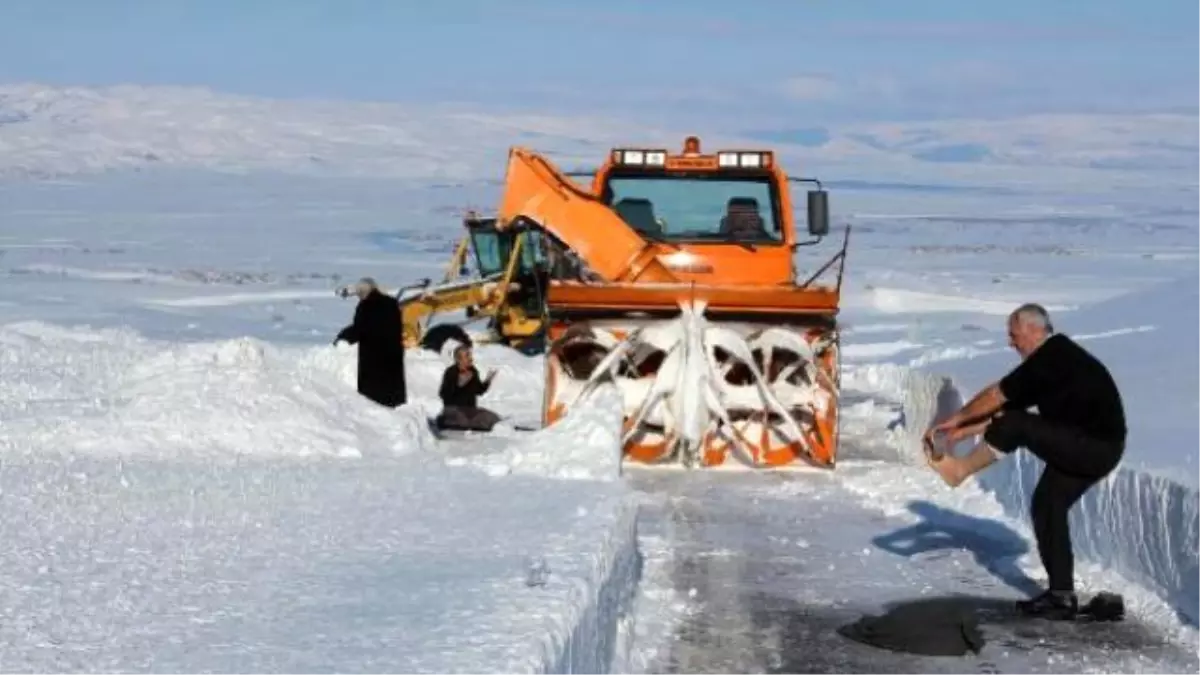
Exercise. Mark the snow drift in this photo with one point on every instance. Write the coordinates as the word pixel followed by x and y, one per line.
pixel 586 444
pixel 306 566
pixel 113 392
pixel 1143 521
pixel 273 519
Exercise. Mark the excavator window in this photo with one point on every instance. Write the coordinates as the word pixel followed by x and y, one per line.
pixel 533 253
pixel 493 249
pixel 697 207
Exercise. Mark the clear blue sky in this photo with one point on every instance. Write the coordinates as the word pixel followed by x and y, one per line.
pixel 749 59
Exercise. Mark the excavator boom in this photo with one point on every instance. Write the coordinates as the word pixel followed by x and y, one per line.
pixel 506 290
pixel 536 191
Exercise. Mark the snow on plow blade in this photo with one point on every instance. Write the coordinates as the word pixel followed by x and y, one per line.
pixel 708 375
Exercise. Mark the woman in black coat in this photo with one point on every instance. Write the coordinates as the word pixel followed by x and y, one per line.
pixel 379 333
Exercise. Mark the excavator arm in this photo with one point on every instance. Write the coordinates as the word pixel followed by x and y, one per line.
pixel 484 296
pixel 536 191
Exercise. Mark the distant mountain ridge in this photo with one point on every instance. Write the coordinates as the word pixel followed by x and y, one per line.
pixel 61 131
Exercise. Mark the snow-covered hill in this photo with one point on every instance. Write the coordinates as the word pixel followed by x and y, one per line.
pixel 55 131
pixel 1100 141
pixel 48 131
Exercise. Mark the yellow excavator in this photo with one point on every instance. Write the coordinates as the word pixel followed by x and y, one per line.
pixel 508 290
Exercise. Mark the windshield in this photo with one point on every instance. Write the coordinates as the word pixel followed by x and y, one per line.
pixel 492 251
pixel 696 207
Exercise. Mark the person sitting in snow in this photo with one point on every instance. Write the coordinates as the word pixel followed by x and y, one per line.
pixel 460 390
pixel 1079 432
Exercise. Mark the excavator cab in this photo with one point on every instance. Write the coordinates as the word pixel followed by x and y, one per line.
pixel 493 248
pixel 489 247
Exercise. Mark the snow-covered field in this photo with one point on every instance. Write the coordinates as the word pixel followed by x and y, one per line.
pixel 192 483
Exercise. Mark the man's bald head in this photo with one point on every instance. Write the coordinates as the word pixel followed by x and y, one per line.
pixel 364 287
pixel 1028 326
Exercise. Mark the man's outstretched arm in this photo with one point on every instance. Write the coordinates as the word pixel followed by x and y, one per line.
pixel 982 406
pixel 967 429
pixel 970 420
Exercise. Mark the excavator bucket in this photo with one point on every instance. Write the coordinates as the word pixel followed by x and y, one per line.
pixel 680 290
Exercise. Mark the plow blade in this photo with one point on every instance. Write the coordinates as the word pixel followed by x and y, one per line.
pixel 708 375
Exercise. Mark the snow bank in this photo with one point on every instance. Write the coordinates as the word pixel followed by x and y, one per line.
pixel 262 515
pixel 1143 520
pixel 114 392
pixel 585 444
pixel 917 396
pixel 598 640
pixel 322 565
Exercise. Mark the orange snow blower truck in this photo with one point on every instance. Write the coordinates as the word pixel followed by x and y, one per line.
pixel 672 276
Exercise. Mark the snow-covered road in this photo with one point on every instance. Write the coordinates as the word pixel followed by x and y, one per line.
pixel 775 563
pixel 190 481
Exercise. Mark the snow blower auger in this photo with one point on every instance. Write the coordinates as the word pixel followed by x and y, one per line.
pixel 705 384
pixel 673 276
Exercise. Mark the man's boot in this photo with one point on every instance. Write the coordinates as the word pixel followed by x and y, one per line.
pixel 1056 605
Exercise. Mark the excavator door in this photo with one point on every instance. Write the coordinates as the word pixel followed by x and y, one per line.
pixel 525 299
pixel 490 247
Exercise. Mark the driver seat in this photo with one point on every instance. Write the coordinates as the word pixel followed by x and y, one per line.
pixel 742 219
pixel 639 214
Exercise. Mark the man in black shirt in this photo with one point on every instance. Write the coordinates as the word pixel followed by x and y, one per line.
pixel 1078 432
pixel 460 391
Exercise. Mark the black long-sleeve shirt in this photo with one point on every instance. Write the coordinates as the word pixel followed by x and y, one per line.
pixel 464 395
pixel 1069 386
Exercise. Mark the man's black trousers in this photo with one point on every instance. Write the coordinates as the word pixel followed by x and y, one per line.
pixel 1074 463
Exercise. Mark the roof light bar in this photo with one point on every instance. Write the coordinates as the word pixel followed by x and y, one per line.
pixel 744 160
pixel 637 157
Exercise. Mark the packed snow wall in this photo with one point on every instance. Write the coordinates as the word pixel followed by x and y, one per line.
pixel 586 446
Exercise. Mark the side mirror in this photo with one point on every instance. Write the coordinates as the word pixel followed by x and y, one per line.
pixel 818 213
